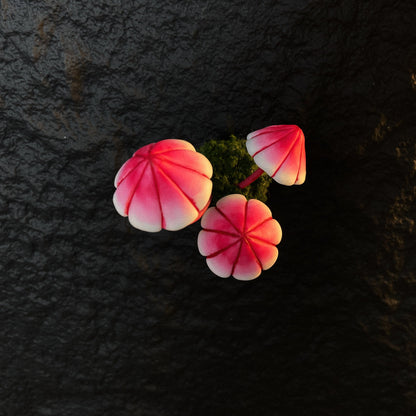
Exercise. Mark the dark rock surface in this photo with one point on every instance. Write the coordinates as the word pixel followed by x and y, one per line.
pixel 100 319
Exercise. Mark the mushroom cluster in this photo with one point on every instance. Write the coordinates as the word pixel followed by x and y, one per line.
pixel 167 185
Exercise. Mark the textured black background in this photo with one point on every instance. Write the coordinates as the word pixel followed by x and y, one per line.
pixel 100 319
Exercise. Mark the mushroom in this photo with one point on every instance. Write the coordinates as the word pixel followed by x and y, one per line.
pixel 280 152
pixel 239 237
pixel 163 185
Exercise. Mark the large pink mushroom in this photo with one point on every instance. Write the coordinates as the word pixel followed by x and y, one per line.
pixel 239 237
pixel 163 185
pixel 280 152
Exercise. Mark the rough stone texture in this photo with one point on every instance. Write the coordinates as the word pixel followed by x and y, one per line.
pixel 101 319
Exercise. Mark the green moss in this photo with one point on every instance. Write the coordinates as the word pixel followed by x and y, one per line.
pixel 232 164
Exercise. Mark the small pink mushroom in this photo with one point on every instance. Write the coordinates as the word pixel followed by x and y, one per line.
pixel 239 237
pixel 280 152
pixel 164 185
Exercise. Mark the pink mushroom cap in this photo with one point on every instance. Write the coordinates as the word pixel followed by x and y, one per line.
pixel 239 237
pixel 280 152
pixel 163 185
